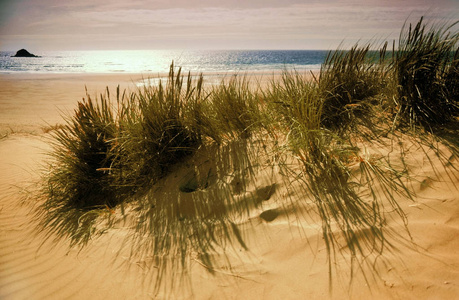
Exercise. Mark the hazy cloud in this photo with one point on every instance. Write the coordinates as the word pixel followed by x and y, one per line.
pixel 118 24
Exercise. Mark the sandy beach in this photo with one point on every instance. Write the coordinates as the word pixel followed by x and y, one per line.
pixel 30 102
pixel 286 257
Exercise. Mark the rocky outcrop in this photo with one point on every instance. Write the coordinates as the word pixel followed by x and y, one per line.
pixel 24 53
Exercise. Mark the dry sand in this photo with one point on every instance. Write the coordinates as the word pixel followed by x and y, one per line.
pixel 287 258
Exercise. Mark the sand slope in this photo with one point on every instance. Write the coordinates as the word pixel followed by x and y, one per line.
pixel 287 258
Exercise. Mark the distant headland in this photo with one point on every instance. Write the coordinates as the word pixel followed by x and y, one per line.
pixel 24 53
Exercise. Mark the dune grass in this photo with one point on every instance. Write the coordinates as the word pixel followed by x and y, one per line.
pixel 425 67
pixel 123 155
pixel 158 128
pixel 77 181
pixel 350 205
pixel 234 107
pixel 348 81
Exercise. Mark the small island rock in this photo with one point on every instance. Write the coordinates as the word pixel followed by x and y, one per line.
pixel 24 53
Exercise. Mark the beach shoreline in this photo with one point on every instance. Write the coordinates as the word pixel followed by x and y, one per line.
pixel 31 101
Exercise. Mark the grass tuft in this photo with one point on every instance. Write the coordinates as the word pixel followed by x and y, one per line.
pixel 348 81
pixel 426 68
pixel 234 107
pixel 78 180
pixel 159 129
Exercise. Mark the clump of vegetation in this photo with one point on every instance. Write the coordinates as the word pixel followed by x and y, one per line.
pixel 78 180
pixel 159 128
pixel 348 82
pixel 295 101
pixel 326 158
pixel 234 108
pixel 425 67
pixel 104 156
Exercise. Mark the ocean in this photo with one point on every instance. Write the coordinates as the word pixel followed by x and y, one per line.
pixel 158 61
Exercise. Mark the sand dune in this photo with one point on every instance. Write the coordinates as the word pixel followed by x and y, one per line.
pixel 286 257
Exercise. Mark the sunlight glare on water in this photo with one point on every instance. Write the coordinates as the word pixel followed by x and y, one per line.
pixel 158 61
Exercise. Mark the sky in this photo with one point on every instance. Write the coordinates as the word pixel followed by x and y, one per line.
pixel 40 25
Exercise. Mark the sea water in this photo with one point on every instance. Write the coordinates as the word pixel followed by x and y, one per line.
pixel 159 61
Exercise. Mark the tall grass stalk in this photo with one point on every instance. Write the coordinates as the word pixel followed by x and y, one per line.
pixel 78 180
pixel 425 65
pixel 350 207
pixel 235 108
pixel 159 128
pixel 348 81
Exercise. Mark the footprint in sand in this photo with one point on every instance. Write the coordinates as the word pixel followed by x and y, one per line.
pixel 193 182
pixel 264 193
pixel 426 183
pixel 237 185
pixel 269 215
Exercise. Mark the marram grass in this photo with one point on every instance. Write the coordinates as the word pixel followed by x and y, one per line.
pixel 425 67
pixel 158 128
pixel 118 159
pixel 348 81
pixel 78 181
